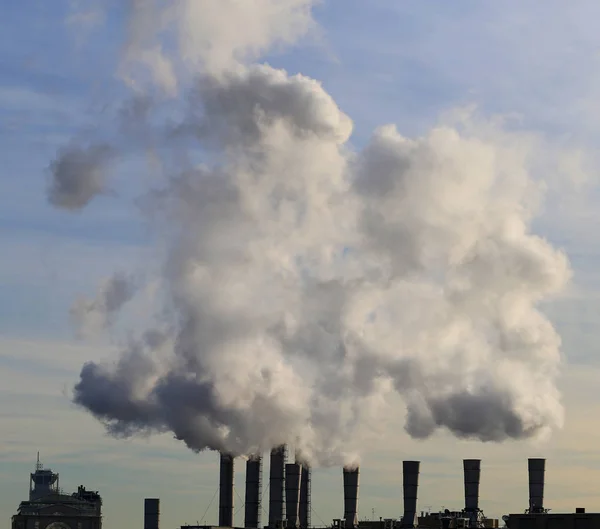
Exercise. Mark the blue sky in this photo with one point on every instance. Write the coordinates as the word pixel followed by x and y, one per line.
pixel 399 61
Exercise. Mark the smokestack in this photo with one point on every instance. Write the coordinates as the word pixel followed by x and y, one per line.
pixel 537 468
pixel 226 491
pixel 472 472
pixel 410 482
pixel 351 497
pixel 151 513
pixel 293 477
pixel 253 492
pixel 277 485
pixel 305 497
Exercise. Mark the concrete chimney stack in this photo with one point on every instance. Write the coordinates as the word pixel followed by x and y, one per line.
pixel 410 482
pixel 351 480
pixel 537 469
pixel 226 491
pixel 304 517
pixel 277 486
pixel 472 474
pixel 151 513
pixel 253 492
pixel 293 477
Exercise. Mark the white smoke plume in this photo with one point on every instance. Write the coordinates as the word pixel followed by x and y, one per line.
pixel 212 35
pixel 309 284
pixel 92 316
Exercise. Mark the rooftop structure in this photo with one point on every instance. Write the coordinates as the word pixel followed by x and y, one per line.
pixel 42 482
pixel 49 508
pixel 575 520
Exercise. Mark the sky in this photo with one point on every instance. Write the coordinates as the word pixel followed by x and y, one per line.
pixel 384 61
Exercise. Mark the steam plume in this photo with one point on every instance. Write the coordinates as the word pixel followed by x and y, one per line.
pixel 207 35
pixel 92 316
pixel 311 283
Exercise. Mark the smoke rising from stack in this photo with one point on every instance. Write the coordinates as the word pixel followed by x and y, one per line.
pixel 307 284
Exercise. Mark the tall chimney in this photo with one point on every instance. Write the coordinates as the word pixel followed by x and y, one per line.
pixel 351 476
pixel 472 472
pixel 151 513
pixel 253 492
pixel 277 486
pixel 304 517
pixel 226 491
pixel 537 468
pixel 410 482
pixel 293 476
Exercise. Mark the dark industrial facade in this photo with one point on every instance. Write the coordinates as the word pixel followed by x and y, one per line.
pixel 538 517
pixel 49 508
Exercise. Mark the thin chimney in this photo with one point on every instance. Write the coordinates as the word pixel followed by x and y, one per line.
pixel 253 492
pixel 410 482
pixel 351 481
pixel 305 497
pixel 293 476
pixel 277 486
pixel 226 491
pixel 472 474
pixel 537 469
pixel 151 513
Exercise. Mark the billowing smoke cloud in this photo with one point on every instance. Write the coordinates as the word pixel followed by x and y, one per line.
pixel 78 175
pixel 310 284
pixel 95 315
pixel 212 35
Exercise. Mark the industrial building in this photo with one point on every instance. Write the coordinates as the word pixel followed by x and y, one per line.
pixel 290 490
pixel 536 516
pixel 49 508
pixel 290 501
